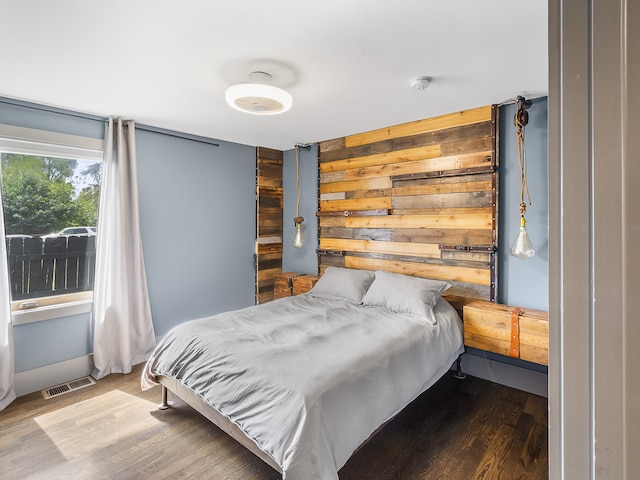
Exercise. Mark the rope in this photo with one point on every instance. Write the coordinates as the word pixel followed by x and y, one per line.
pixel 520 119
pixel 298 180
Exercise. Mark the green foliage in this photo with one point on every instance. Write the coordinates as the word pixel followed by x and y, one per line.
pixel 40 197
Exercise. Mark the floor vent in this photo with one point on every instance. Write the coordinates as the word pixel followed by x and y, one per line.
pixel 67 387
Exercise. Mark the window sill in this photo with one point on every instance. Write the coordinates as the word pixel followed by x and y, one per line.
pixel 48 312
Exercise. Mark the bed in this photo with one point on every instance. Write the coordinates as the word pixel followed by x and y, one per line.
pixel 304 381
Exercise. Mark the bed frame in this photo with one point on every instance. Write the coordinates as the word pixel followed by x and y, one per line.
pixel 226 425
pixel 418 199
pixel 211 414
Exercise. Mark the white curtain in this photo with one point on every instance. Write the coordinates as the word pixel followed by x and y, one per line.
pixel 7 387
pixel 123 333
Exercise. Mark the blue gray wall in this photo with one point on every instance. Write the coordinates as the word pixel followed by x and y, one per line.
pixel 524 283
pixel 197 213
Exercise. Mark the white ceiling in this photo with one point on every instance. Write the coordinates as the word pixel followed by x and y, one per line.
pixel 347 63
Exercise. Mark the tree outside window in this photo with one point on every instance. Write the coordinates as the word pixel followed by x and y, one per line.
pixel 44 199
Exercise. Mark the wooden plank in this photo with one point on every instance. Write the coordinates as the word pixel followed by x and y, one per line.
pixel 439 272
pixel 331 221
pixel 386 158
pixel 354 185
pixel 437 137
pixel 460 221
pixel 443 189
pixel 379 234
pixel 380 192
pixel 439 235
pixel 431 186
pixel 471 264
pixel 329 177
pixel 355 213
pixel 454 162
pixel 444 200
pixel 268 191
pixel 330 261
pixel 466 256
pixel 470 291
pixel 329 145
pixel 271 255
pixel 269 241
pixel 377 203
pixel 269 181
pixel 468 145
pixel 265 153
pixel 392 248
pixel 333 196
pixel 534 354
pixel 269 170
pixel 476 115
pixel 268 275
pixel 269 244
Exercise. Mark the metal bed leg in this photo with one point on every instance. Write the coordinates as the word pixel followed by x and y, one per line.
pixel 459 375
pixel 165 403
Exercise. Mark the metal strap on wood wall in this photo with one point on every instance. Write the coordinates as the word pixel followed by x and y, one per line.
pixel 514 349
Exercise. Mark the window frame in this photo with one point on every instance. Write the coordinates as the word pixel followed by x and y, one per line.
pixel 21 140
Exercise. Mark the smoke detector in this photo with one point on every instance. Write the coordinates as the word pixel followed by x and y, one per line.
pixel 258 96
pixel 420 83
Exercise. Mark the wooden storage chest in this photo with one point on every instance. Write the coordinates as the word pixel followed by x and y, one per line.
pixel 304 283
pixel 516 332
pixel 292 283
pixel 283 285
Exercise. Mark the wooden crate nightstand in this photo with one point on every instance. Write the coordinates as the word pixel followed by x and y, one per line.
pixel 292 283
pixel 283 285
pixel 515 332
pixel 304 283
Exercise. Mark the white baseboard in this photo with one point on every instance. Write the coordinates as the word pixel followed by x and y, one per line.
pixel 506 374
pixel 31 381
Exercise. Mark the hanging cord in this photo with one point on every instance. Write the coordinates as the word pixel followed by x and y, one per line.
pixel 298 218
pixel 520 120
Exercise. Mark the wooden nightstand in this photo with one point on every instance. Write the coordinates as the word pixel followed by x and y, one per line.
pixel 515 332
pixel 292 283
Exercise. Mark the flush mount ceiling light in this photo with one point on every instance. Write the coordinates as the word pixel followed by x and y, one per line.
pixel 258 96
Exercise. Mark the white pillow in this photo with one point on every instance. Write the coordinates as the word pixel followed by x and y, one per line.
pixel 405 294
pixel 343 283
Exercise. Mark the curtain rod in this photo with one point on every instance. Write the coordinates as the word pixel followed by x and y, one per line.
pixel 49 109
pixel 172 133
pixel 98 118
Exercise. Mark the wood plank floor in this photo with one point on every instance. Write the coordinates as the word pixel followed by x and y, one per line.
pixel 469 429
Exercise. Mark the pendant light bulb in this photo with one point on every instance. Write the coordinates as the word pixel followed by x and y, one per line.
pixel 522 247
pixel 298 239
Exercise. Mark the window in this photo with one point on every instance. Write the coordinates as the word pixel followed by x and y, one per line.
pixel 50 195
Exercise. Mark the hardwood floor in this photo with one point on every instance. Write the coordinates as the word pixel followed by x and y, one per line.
pixel 469 429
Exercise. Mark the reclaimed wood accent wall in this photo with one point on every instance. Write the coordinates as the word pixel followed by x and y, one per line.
pixel 269 208
pixel 418 198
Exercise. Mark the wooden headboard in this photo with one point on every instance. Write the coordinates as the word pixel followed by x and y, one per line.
pixel 418 198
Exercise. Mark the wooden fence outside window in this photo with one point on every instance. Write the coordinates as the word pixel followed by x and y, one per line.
pixel 40 267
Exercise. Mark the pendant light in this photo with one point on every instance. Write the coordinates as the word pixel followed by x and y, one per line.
pixel 298 239
pixel 522 246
